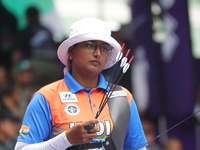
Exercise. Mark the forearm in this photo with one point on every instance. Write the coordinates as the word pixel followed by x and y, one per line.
pixel 143 148
pixel 60 142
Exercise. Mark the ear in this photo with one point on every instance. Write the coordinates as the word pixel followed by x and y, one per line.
pixel 70 51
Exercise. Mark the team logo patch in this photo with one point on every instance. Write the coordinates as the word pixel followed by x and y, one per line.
pixel 72 109
pixel 67 97
pixel 24 130
pixel 118 93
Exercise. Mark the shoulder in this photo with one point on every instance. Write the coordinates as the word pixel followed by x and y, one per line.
pixel 128 94
pixel 123 92
pixel 52 87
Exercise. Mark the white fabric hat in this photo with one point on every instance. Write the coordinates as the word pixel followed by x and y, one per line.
pixel 85 30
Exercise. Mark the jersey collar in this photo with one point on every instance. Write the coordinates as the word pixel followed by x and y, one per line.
pixel 74 86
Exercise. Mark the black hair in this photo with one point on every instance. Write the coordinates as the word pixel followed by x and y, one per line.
pixel 69 62
pixel 32 13
pixel 5 114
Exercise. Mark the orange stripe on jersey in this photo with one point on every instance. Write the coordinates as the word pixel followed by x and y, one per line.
pixel 25 127
pixel 66 114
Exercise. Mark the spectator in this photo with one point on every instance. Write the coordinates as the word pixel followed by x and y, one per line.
pixel 3 77
pixel 9 99
pixel 149 130
pixel 23 78
pixel 172 143
pixel 8 31
pixel 9 125
pixel 36 44
pixel 22 74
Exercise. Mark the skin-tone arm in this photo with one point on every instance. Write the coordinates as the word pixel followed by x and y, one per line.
pixel 76 135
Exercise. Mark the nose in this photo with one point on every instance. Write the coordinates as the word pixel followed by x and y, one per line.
pixel 97 51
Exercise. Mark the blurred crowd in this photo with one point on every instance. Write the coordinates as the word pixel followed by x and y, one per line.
pixel 28 61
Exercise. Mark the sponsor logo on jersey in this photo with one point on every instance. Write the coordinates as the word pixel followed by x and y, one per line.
pixel 24 130
pixel 72 109
pixel 67 97
pixel 118 93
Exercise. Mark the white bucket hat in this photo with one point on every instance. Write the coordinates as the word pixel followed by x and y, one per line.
pixel 85 30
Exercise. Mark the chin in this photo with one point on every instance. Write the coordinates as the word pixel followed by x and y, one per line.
pixel 95 70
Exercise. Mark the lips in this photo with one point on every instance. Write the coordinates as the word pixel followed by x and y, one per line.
pixel 95 62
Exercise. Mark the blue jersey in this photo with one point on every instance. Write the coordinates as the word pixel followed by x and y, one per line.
pixel 58 106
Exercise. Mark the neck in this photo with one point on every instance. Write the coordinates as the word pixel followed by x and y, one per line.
pixel 87 80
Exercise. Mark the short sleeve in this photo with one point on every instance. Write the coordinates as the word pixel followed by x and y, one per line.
pixel 135 137
pixel 36 125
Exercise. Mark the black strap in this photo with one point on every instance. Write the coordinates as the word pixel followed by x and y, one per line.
pixel 86 146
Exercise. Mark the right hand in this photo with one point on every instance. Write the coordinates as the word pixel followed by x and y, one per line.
pixel 79 135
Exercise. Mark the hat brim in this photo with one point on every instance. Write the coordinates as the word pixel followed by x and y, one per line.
pixel 64 46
